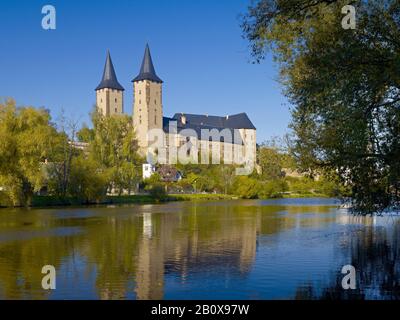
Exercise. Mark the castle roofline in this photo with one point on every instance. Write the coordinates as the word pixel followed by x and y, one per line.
pixel 235 121
pixel 109 80
pixel 147 71
pixel 196 129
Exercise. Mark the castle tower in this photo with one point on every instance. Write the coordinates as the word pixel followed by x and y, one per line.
pixel 147 105
pixel 109 93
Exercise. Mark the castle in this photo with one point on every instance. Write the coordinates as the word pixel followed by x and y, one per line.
pixel 233 136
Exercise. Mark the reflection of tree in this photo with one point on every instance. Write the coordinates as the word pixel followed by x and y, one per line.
pixel 111 246
pixel 374 252
pixel 21 263
pixel 131 249
pixel 279 218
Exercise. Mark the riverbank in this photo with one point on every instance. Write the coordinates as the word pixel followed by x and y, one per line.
pixel 51 201
pixel 305 195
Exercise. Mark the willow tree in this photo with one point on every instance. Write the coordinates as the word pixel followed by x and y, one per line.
pixel 343 84
pixel 27 139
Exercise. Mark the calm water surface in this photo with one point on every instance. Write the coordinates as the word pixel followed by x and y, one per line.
pixel 281 249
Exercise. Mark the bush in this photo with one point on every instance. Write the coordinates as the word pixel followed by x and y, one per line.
pixel 87 182
pixel 156 191
pixel 155 187
pixel 272 189
pixel 245 187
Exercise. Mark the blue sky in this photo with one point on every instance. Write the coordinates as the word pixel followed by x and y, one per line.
pixel 197 49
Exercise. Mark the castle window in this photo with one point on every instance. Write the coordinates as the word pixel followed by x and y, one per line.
pixel 140 91
pixel 155 119
pixel 101 100
pixel 115 110
pixel 140 101
pixel 115 100
pixel 155 101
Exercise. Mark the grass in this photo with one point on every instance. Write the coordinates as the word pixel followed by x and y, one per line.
pixel 202 197
pixel 52 201
pixel 137 198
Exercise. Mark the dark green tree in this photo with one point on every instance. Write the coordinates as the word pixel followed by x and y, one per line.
pixel 344 86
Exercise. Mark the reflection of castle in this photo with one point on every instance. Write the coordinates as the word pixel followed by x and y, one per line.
pixel 236 133
pixel 210 239
pixel 135 251
pixel 165 250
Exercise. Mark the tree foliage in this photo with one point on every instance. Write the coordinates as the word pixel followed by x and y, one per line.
pixel 246 187
pixel 208 178
pixel 115 148
pixel 270 161
pixel 344 86
pixel 36 155
pixel 27 138
pixel 85 134
pixel 87 182
pixel 155 187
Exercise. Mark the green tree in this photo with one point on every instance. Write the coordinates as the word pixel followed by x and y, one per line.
pixel 88 182
pixel 155 187
pixel 220 177
pixel 27 139
pixel 85 134
pixel 115 148
pixel 344 86
pixel 209 178
pixel 272 189
pixel 270 161
pixel 245 187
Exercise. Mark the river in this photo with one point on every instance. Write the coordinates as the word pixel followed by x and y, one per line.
pixel 239 249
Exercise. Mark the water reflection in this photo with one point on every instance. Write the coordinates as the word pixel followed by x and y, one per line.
pixel 374 251
pixel 233 249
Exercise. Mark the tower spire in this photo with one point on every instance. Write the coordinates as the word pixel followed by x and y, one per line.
pixel 109 79
pixel 147 71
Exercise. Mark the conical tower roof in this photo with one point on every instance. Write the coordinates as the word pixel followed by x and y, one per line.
pixel 147 71
pixel 109 79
